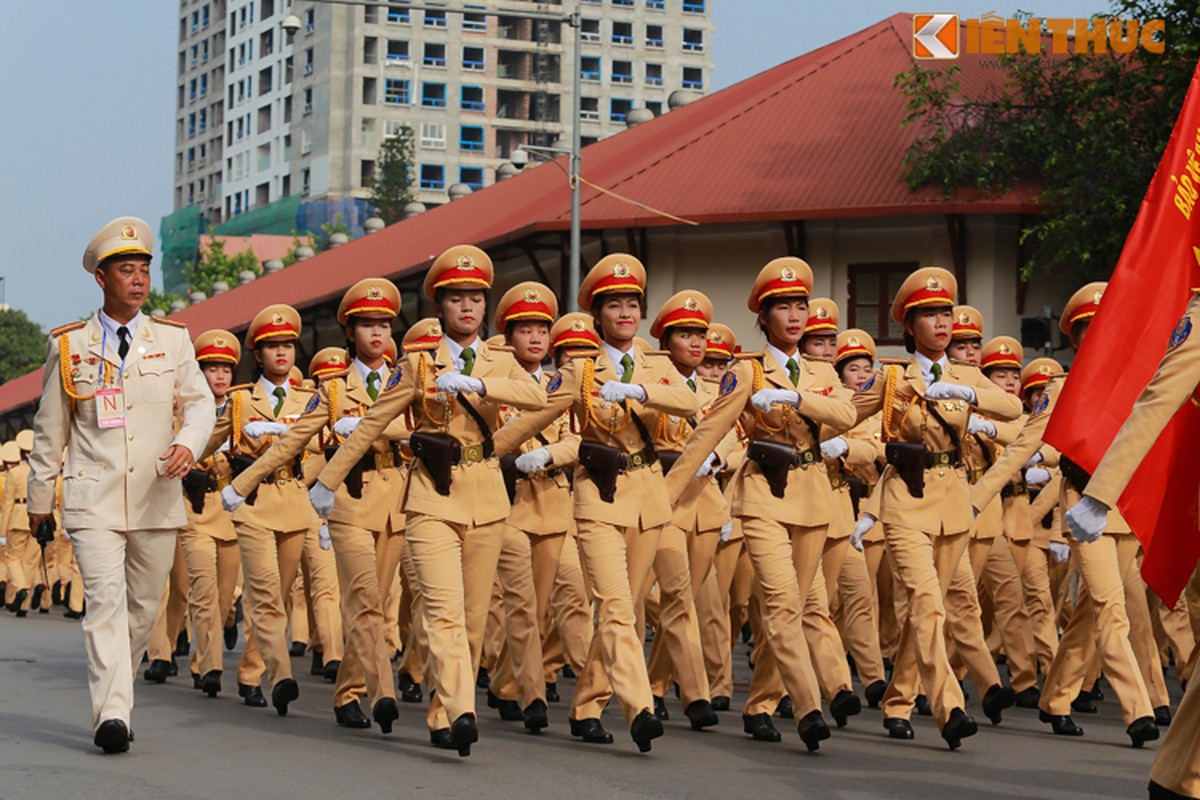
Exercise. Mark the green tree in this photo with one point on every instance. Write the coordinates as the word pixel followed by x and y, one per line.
pixel 392 188
pixel 22 344
pixel 321 240
pixel 217 265
pixel 1085 129
pixel 160 299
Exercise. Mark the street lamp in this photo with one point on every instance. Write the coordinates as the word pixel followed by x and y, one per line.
pixel 572 19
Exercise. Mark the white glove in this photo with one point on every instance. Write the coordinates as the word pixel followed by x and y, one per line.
pixel 457 383
pixel 708 466
pixel 224 446
pixel 1060 552
pixel 1036 476
pixel 534 461
pixel 1087 520
pixel 323 537
pixel 615 392
pixel 834 448
pixel 980 425
pixel 3 541
pixel 260 428
pixel 861 529
pixel 230 500
pixel 763 399
pixel 1034 460
pixel 950 391
pixel 726 531
pixel 346 425
pixel 321 498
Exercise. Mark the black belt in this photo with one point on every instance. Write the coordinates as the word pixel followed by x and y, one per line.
pixel 943 458
pixel 376 461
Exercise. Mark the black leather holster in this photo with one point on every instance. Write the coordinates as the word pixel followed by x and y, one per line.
pixel 439 454
pixel 910 461
pixel 196 484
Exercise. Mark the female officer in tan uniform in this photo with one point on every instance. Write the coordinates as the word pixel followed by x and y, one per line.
pixel 923 498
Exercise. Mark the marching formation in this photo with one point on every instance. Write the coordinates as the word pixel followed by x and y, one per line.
pixel 461 510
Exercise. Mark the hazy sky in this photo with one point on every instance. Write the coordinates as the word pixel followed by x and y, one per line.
pixel 88 91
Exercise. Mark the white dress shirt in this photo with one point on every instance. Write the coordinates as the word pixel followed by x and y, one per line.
pixel 456 350
pixel 926 366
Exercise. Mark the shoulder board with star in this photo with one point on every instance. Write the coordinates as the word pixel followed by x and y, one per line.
pixel 747 356
pixel 241 387
pixel 656 353
pixel 70 326
pixel 960 363
pixel 899 362
pixel 1062 376
pixel 501 348
pixel 172 322
pixel 582 353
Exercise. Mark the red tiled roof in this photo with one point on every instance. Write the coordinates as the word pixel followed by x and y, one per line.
pixel 815 137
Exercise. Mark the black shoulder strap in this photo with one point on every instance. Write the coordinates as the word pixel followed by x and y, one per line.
pixel 946 426
pixel 475 415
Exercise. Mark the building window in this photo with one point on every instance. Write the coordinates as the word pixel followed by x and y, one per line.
pixel 433 177
pixel 654 75
pixel 433 135
pixel 310 21
pixel 471 98
pixel 622 72
pixel 627 3
pixel 693 40
pixel 654 106
pixel 589 109
pixel 202 124
pixel 308 100
pixel 474 21
pixel 192 89
pixel 622 33
pixel 618 108
pixel 471 176
pixel 205 18
pixel 872 287
pixel 366 174
pixel 397 50
pixel 396 91
pixel 470 139
pixel 589 68
pixel 398 14
pixel 656 5
pixel 693 6
pixel 435 19
pixel 433 95
pixel 654 36
pixel 305 180
pixel 472 59
pixel 366 132
pixel 693 78
pixel 589 30
pixel 309 61
pixel 435 55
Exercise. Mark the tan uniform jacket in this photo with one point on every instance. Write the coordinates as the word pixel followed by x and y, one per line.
pixel 543 504
pixel 641 495
pixel 808 499
pixel 111 478
pixel 15 515
pixel 477 494
pixel 945 506
pixel 702 506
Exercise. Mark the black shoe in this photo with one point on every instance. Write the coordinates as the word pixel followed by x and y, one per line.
pixel 318 664
pixel 720 703
pixel 252 696
pixel 410 690
pixel 1142 730
pixel 1028 698
pixel 182 645
pixel 157 672
pixel 22 614
pixel 845 705
pixel 231 637
pixel 813 730
pixel 1082 704
pixel 590 730
pixel 660 709
pixel 958 727
pixel 331 670
pixel 995 700
pixel 1094 693
pixel 760 727
pixel 701 714
pixel 784 709
pixel 297 649
pixel 922 706
pixel 1162 716
pixel 172 668
pixel 73 614
pixel 898 727
pixel 284 692
pixel 112 736
pixel 196 684
pixel 552 692
pixel 875 693
pixel 463 734
pixel 536 716
pixel 210 684
pixel 441 738
pixel 1160 792
pixel 482 679
pixel 510 710
pixel 3 590
pixel 18 601
pixel 567 672
pixel 385 712
pixel 351 715
pixel 43 611
pixel 645 728
pixel 56 594
pixel 36 600
pixel 1062 725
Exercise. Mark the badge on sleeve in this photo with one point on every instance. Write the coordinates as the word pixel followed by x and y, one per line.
pixel 1182 331
pixel 313 402
pixel 1042 404
pixel 728 383
pixel 867 386
pixel 395 377
pixel 555 383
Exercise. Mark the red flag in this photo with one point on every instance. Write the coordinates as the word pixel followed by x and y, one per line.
pixel 1149 290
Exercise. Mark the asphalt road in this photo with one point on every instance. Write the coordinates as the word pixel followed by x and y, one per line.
pixel 189 746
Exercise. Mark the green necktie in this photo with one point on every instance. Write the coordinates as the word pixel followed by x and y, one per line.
pixel 936 369
pixel 468 358
pixel 793 371
pixel 627 368
pixel 280 393
pixel 691 382
pixel 373 384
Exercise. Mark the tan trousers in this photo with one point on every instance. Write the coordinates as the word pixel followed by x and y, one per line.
pixel 270 562
pixel 925 566
pixel 1173 632
pixel 519 665
pixel 456 567
pixel 569 638
pixel 123 579
pixel 616 560
pixel 394 624
pixel 367 565
pixel 212 570
pixel 1003 581
pixel 68 573
pixel 493 635
pixel 416 644
pixel 1034 567
pixel 676 652
pixel 1177 764
pixel 786 561
pixel 1141 636
pixel 172 611
pixel 712 609
pixel 1099 622
pixel 854 613
pixel 20 576
pixel 324 597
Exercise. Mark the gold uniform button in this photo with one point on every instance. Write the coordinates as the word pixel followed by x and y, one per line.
pixel 131 469
pixel 131 437
pixel 80 473
pixel 125 375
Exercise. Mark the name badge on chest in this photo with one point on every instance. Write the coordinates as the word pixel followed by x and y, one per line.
pixel 110 408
